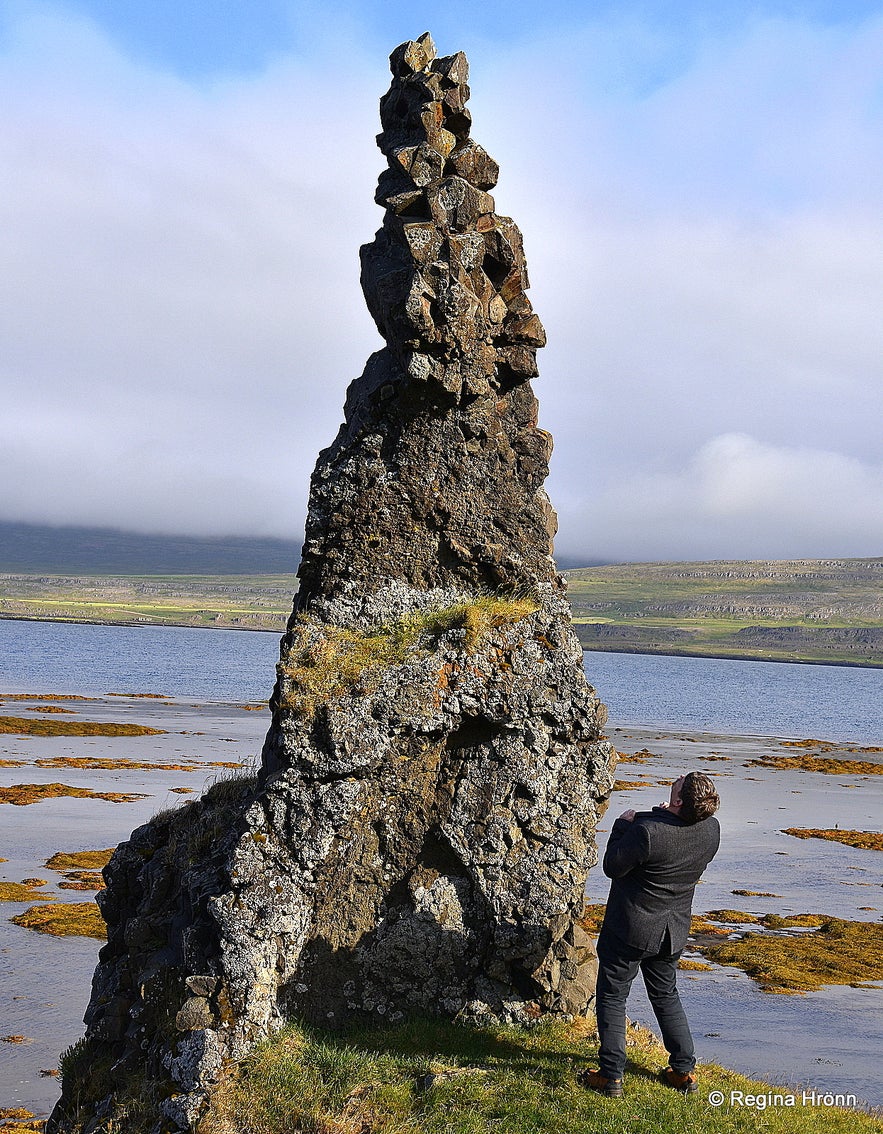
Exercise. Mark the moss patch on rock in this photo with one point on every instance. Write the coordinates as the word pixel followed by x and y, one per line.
pixel 65 919
pixel 866 840
pixel 324 662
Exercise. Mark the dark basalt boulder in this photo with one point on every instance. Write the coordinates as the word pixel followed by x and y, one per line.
pixel 418 837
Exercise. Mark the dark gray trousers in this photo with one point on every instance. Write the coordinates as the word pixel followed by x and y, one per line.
pixel 617 968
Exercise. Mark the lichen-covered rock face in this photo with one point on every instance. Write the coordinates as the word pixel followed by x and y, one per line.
pixel 419 833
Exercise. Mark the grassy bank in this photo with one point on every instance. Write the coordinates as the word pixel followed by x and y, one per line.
pixel 431 1077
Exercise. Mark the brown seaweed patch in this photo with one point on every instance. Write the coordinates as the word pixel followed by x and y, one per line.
pixel 809 743
pixel 694 966
pixel 23 794
pixel 49 709
pixel 830 766
pixel 593 915
pixel 181 790
pixel 642 756
pixel 66 919
pixel 624 785
pixel 793 921
pixel 838 952
pixel 701 926
pixel 80 860
pixel 45 697
pixel 106 762
pixel 735 917
pixel 122 764
pixel 12 763
pixel 755 894
pixel 253 708
pixel 143 696
pixel 82 869
pixel 21 891
pixel 22 726
pixel 82 880
pixel 866 840
pixel 16 1039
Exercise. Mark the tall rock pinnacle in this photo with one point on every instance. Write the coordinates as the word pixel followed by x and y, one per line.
pixel 419 833
pixel 436 476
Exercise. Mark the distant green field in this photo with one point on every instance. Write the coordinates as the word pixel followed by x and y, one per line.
pixel 793 610
pixel 797 610
pixel 246 602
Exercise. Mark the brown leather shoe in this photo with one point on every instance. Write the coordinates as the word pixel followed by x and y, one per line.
pixel 595 1081
pixel 686 1083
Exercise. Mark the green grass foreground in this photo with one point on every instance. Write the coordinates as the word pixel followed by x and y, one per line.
pixel 433 1077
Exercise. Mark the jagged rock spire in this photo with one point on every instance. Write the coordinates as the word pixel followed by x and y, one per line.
pixel 436 476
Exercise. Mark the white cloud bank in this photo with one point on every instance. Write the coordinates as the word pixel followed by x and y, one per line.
pixel 736 492
pixel 181 311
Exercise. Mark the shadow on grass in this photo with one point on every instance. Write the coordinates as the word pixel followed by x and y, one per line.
pixel 463 1044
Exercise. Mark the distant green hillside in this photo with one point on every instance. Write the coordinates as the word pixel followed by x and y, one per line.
pixel 823 610
pixel 243 602
pixel 802 610
pixel 38 548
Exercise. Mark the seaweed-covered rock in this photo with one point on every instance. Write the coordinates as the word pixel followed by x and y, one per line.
pixel 419 833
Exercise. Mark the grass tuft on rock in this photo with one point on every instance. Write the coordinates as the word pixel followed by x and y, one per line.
pixel 438 1077
pixel 325 662
pixel 65 919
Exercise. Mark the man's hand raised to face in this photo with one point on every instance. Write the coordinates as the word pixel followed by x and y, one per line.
pixel 628 815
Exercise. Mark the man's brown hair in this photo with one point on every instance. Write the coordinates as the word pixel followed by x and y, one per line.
pixel 699 798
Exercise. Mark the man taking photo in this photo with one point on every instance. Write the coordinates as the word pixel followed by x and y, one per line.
pixel 654 858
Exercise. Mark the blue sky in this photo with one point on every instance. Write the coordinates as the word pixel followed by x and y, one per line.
pixel 699 188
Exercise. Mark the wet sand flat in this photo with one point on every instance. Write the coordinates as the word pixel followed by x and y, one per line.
pixel 45 981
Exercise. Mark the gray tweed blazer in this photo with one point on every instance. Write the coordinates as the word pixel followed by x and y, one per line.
pixel 655 862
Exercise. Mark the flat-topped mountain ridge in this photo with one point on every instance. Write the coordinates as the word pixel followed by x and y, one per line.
pixel 825 610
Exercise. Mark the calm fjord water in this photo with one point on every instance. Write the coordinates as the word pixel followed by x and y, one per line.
pixel 702 694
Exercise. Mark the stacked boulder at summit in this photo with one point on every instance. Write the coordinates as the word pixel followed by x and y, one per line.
pixel 418 836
